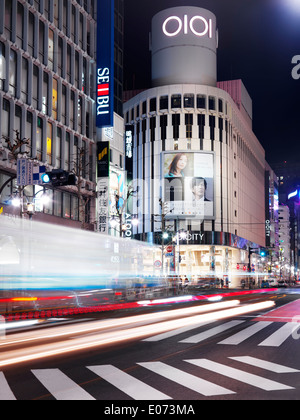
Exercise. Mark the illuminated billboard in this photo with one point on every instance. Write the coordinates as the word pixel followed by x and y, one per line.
pixel 105 64
pixel 103 153
pixel 117 182
pixel 189 184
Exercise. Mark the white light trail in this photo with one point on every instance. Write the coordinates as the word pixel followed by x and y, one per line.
pixel 111 337
pixel 95 326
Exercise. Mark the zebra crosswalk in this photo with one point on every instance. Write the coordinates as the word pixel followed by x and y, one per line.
pixel 274 339
pixel 61 387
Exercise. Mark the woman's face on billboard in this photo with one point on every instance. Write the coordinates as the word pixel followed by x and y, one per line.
pixel 182 162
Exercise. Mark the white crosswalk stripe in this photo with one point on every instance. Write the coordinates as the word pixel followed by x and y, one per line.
pixel 281 335
pixel 61 387
pixel 192 382
pixel 135 388
pixel 211 332
pixel 239 375
pixel 263 364
pixel 178 331
pixel 5 391
pixel 246 333
pixel 276 339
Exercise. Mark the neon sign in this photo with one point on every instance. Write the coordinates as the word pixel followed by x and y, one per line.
pixel 103 91
pixel 105 64
pixel 293 194
pixel 197 25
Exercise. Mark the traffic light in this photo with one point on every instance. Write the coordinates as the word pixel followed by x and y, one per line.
pixel 59 178
pixel 263 252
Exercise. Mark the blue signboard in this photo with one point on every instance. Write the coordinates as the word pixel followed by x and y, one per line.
pixel 105 64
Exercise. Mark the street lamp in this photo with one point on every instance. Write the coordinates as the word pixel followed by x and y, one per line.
pixel 30 204
pixel 135 221
pixel 113 223
pixel 16 202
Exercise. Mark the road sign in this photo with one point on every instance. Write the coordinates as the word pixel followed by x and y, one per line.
pixel 22 172
pixel 169 248
pixel 29 173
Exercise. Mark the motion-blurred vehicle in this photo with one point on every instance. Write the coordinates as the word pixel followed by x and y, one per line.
pixel 273 282
pixel 282 283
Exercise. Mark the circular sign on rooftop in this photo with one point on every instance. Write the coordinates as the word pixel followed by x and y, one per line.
pixel 184 46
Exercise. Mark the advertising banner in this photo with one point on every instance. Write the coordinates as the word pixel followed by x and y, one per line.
pixel 189 184
pixel 103 159
pixel 117 190
pixel 105 64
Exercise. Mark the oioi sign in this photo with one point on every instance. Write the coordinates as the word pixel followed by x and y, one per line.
pixel 198 25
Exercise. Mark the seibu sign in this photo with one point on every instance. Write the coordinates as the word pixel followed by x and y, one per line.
pixel 105 64
pixel 103 91
pixel 198 25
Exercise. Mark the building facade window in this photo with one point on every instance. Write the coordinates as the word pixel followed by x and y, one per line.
pixel 2 65
pixel 31 33
pixel 189 100
pixel 45 99
pixel 54 99
pixel 51 50
pixel 24 81
pixel 189 125
pixel 8 19
pixel 35 86
pixel 39 138
pixel 152 105
pixel 42 42
pixel 49 142
pixel 176 101
pixel 20 25
pixel 12 72
pixel 29 132
pixel 211 103
pixel 163 103
pixel 58 148
pixel 201 101
pixel 176 125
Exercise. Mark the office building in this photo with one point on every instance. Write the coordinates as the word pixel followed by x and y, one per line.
pixel 48 99
pixel 47 72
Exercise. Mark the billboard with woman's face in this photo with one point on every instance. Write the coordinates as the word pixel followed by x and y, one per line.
pixel 188 184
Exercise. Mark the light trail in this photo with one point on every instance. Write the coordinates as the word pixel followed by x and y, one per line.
pixel 112 337
pixel 94 326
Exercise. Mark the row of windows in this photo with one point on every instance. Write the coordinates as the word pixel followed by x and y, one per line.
pixel 225 132
pixel 176 101
pixel 47 141
pixel 22 26
pixel 189 120
pixel 51 7
pixel 45 93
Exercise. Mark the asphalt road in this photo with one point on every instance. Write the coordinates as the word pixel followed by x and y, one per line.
pixel 171 360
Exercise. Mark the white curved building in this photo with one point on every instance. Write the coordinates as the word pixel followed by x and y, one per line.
pixel 208 131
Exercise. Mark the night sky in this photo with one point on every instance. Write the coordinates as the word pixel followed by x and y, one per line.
pixel 257 41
